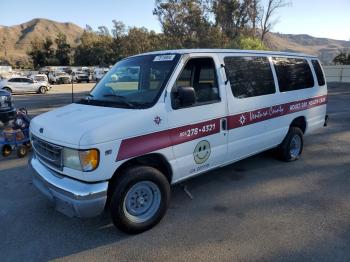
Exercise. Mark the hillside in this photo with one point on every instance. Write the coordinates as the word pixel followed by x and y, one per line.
pixel 15 40
pixel 326 49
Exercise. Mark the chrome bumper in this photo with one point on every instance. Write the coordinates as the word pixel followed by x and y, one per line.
pixel 71 197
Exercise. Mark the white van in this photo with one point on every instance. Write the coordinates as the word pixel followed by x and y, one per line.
pixel 185 113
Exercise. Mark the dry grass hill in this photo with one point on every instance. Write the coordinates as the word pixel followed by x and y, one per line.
pixel 15 40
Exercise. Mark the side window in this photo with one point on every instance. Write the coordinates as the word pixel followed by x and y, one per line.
pixel 25 80
pixel 293 73
pixel 14 80
pixel 199 73
pixel 319 74
pixel 249 76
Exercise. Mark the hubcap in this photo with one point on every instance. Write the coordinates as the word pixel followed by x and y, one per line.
pixel 142 201
pixel 295 146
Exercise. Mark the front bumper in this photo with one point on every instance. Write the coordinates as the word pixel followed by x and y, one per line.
pixel 71 197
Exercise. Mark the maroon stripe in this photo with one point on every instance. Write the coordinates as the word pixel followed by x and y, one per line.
pixel 266 113
pixel 140 145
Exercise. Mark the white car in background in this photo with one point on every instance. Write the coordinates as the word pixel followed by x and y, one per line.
pixel 58 77
pixel 80 76
pixel 40 78
pixel 23 85
pixel 99 73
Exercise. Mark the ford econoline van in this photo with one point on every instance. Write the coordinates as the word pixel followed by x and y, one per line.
pixel 159 118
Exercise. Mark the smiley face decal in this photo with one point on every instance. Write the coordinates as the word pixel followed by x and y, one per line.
pixel 201 152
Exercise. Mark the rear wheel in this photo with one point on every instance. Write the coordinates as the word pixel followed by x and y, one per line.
pixel 292 145
pixel 140 199
pixel 42 90
pixel 6 150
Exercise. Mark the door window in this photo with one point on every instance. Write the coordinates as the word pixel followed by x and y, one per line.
pixel 199 73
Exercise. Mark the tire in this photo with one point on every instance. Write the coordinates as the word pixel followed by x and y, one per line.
pixel 7 89
pixel 22 151
pixel 88 81
pixel 292 145
pixel 131 213
pixel 6 150
pixel 42 90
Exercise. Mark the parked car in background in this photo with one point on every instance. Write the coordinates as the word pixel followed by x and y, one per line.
pixel 59 77
pixel 23 85
pixel 40 78
pixel 7 111
pixel 99 73
pixel 80 76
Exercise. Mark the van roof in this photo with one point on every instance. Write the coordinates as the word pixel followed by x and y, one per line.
pixel 237 51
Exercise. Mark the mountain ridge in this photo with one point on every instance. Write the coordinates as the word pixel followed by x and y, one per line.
pixel 15 40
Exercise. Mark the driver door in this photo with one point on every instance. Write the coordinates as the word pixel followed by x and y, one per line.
pixel 199 131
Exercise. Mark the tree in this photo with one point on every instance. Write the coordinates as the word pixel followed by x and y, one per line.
pixel 118 29
pixel 42 53
pixel 184 23
pixel 36 53
pixel 342 59
pixel 94 49
pixel 266 22
pixel 63 49
pixel 103 30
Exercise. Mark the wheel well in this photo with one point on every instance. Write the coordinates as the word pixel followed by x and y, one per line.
pixel 157 161
pixel 299 122
pixel 6 87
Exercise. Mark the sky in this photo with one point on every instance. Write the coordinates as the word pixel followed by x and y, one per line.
pixel 320 18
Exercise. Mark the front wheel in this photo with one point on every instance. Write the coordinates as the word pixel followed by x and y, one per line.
pixel 22 151
pixel 140 199
pixel 292 145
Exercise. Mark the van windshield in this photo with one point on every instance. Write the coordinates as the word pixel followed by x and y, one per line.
pixel 135 82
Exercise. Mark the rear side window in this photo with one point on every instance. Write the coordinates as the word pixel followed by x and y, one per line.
pixel 319 74
pixel 293 73
pixel 249 76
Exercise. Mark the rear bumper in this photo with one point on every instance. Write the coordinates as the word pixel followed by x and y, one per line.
pixel 70 197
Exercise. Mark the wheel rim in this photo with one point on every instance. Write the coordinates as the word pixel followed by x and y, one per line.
pixel 142 201
pixel 42 90
pixel 295 146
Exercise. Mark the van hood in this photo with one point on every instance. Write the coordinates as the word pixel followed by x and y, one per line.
pixel 79 125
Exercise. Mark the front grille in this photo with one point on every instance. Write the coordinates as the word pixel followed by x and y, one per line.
pixel 48 153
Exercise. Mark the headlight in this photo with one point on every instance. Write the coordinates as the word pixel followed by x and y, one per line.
pixel 83 160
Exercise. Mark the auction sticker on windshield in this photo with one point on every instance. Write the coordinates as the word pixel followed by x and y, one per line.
pixel 160 58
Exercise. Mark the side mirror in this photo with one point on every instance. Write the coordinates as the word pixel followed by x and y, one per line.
pixel 32 80
pixel 186 96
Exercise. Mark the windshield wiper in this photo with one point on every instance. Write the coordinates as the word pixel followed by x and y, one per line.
pixel 122 99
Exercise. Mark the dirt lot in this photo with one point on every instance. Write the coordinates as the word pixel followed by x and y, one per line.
pixel 257 209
